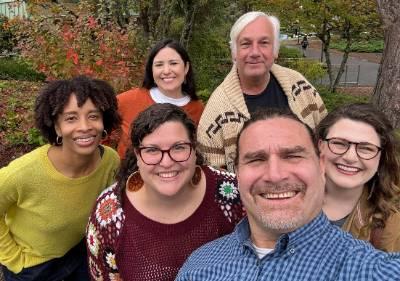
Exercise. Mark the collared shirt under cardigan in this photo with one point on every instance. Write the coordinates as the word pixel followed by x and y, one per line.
pixel 316 251
pixel 226 111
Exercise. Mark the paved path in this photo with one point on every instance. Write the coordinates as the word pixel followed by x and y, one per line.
pixel 361 70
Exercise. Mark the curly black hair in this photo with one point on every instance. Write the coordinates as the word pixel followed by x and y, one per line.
pixel 53 98
pixel 145 124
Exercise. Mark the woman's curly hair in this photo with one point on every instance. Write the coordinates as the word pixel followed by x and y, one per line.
pixel 53 98
pixel 145 124
pixel 384 186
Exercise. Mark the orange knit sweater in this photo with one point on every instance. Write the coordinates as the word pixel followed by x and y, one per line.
pixel 134 101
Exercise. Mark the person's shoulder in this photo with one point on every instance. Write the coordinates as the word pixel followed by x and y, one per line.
pixel 105 223
pixel 110 192
pixel 363 259
pixel 108 208
pixel 30 159
pixel 355 249
pixel 109 152
pixel 279 70
pixel 132 94
pixel 212 252
pixel 196 104
pixel 229 84
pixel 390 236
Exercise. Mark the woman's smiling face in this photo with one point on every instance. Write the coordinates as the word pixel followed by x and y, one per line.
pixel 168 178
pixel 349 170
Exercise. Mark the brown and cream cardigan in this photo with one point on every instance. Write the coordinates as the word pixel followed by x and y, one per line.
pixel 226 111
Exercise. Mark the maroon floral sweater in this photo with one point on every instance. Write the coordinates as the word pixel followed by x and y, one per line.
pixel 125 245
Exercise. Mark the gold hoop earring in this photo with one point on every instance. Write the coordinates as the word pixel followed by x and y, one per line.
pixel 59 140
pixel 134 181
pixel 104 134
pixel 196 176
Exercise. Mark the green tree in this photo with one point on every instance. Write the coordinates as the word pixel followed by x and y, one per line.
pixel 328 18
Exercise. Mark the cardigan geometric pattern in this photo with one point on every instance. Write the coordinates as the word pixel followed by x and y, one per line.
pixel 226 111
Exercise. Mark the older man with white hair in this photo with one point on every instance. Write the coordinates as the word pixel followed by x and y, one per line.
pixel 254 81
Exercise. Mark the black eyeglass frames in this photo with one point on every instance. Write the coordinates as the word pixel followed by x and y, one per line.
pixel 364 150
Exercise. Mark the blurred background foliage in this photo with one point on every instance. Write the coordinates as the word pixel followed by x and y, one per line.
pixel 110 39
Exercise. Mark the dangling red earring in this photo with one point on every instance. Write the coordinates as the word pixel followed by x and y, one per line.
pixel 196 176
pixel 134 182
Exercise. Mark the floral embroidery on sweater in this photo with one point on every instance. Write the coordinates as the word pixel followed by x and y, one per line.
pixel 108 219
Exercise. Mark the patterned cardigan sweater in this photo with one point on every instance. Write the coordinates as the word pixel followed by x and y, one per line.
pixel 226 111
pixel 219 212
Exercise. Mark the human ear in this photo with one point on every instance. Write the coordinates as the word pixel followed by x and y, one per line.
pixel 187 68
pixel 57 129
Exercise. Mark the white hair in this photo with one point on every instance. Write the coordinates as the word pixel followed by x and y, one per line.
pixel 247 18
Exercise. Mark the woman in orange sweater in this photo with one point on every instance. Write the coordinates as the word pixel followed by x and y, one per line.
pixel 168 78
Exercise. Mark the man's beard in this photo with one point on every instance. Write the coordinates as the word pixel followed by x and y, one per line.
pixel 284 219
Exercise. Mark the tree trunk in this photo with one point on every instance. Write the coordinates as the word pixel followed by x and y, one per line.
pixel 164 21
pixel 190 11
pixel 345 56
pixel 325 37
pixel 386 95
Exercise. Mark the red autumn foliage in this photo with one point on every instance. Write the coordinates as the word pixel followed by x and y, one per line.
pixel 63 47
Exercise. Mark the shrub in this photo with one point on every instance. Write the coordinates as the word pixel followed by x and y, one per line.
pixel 16 113
pixel 313 70
pixel 370 46
pixel 287 52
pixel 63 46
pixel 18 69
pixel 211 59
pixel 333 100
pixel 6 36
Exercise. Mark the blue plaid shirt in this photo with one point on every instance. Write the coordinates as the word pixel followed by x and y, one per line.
pixel 316 251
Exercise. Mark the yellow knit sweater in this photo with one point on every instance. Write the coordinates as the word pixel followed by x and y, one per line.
pixel 44 213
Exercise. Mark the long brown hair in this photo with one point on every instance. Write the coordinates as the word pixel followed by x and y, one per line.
pixel 384 186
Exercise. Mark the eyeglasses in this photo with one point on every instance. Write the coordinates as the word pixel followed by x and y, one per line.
pixel 179 152
pixel 364 150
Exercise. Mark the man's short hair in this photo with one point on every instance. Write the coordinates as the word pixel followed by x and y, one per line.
pixel 272 113
pixel 247 18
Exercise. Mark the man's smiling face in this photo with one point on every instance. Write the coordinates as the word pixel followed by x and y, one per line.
pixel 281 179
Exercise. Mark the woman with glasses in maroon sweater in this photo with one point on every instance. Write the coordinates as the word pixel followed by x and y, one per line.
pixel 164 205
pixel 362 168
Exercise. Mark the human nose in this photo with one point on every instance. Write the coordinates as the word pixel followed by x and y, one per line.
pixel 254 51
pixel 351 153
pixel 84 124
pixel 166 159
pixel 166 68
pixel 275 170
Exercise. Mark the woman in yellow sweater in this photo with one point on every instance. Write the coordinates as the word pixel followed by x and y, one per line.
pixel 46 195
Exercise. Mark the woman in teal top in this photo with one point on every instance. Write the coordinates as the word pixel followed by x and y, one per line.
pixel 47 194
